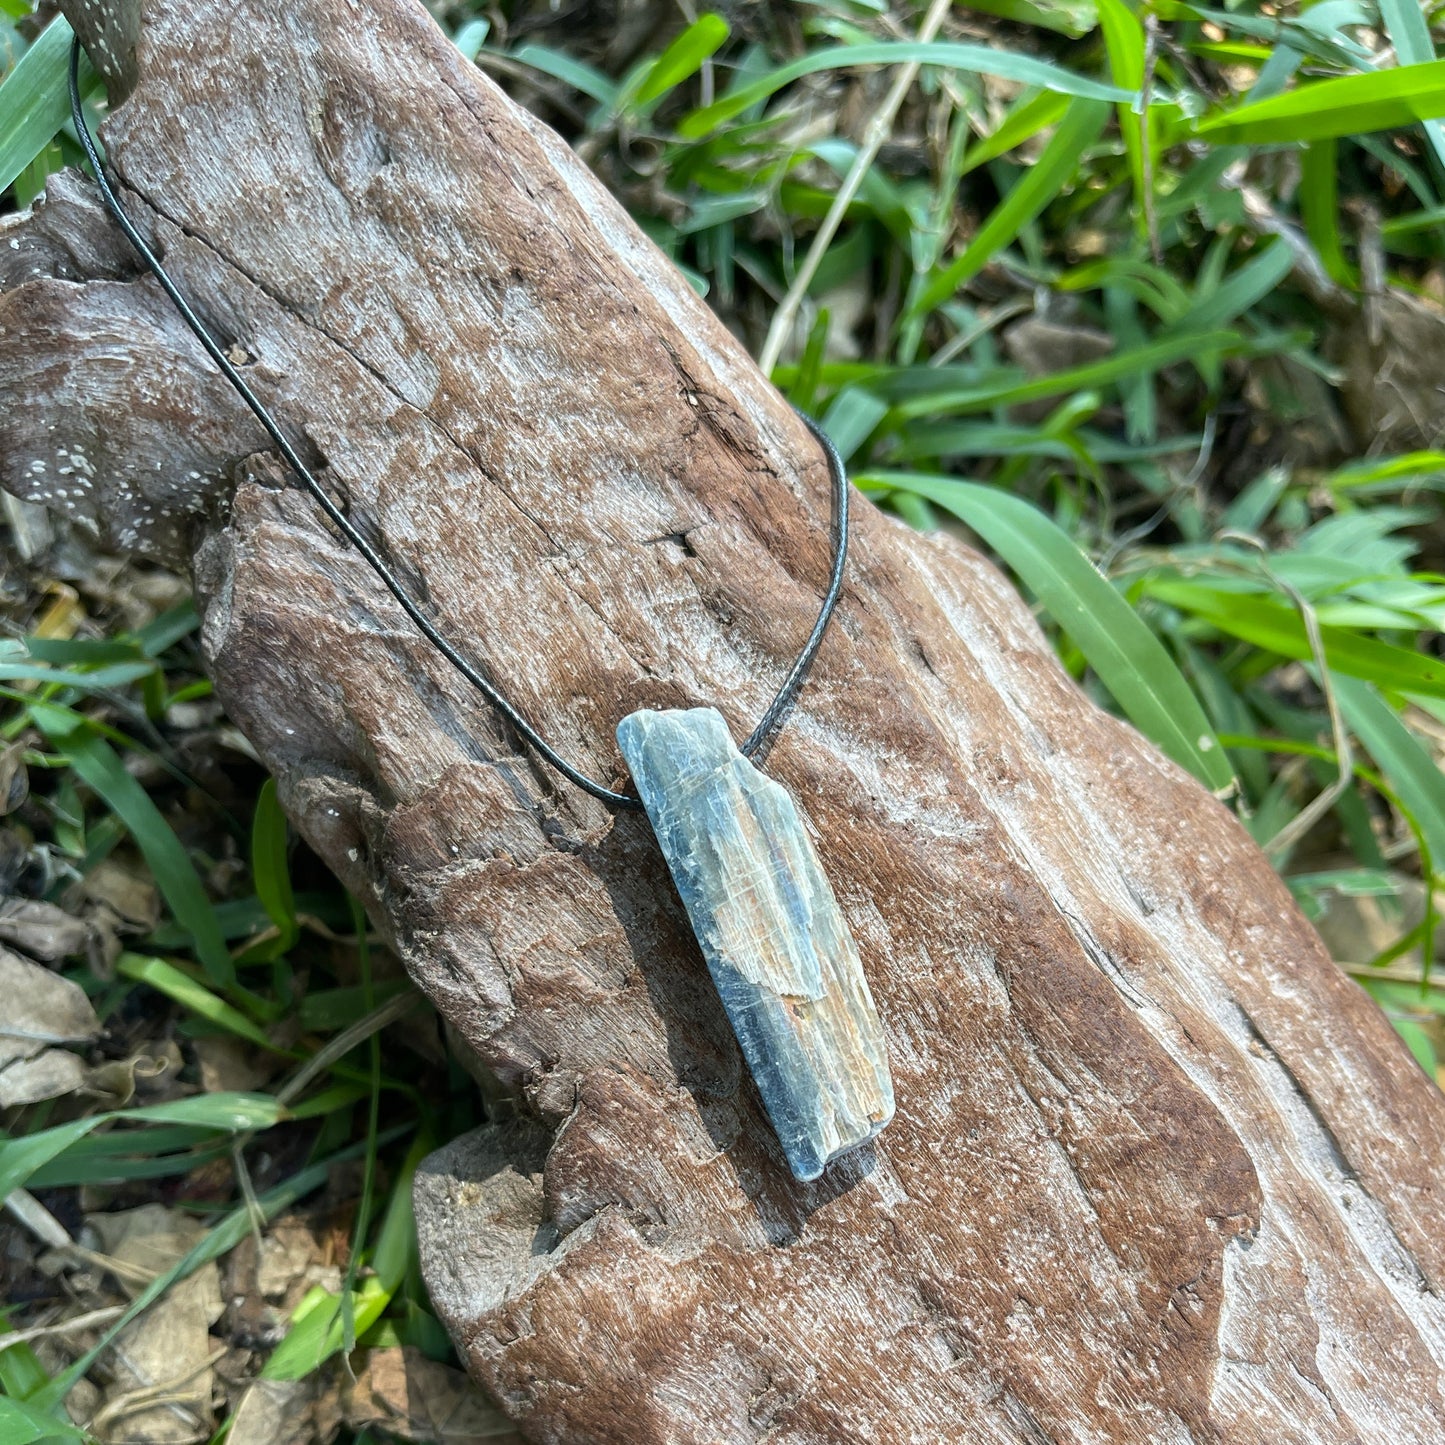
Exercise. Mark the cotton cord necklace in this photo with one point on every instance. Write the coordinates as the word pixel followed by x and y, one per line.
pixel 765 916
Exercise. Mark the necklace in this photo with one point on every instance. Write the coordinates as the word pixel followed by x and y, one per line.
pixel 769 926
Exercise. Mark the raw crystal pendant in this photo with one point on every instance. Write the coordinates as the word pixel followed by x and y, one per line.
pixel 770 928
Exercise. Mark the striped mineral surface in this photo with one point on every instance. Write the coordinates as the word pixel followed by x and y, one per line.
pixel 777 945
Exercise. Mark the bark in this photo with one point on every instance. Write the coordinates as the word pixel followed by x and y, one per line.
pixel 1159 1172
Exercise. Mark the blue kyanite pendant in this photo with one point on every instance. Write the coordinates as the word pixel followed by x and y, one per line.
pixel 779 950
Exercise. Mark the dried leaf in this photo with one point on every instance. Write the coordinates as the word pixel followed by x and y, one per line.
pixel 116 1081
pixel 229 1065
pixel 162 1361
pixel 42 1010
pixel 129 894
pixel 407 1395
pixel 293 1261
pixel 48 1075
pixel 279 1412
pixel 152 1237
pixel 14 777
pixel 40 929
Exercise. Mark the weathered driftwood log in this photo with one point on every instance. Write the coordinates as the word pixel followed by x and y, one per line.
pixel 1159 1171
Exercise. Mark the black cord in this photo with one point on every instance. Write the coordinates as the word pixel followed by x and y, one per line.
pixel 792 683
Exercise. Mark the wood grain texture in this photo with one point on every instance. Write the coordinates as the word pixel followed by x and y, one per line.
pixel 1159 1171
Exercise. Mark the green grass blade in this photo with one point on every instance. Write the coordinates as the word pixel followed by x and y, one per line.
pixel 328 1010
pixel 116 674
pixel 1139 392
pixel 1124 40
pixel 333 1100
pixel 1073 18
pixel 1054 169
pixel 232 1112
pixel 1251 507
pixel 1129 660
pixel 1398 226
pixel 396 1247
pixel 1278 628
pixel 373 1128
pixel 317 1331
pixel 158 1138
pixel 1417 1040
pixel 21 1373
pixel 576 73
pixel 1028 117
pixel 1246 287
pixel 168 629
pixel 947 55
pixel 34 102
pixel 224 1237
pixel 1399 755
pixel 1386 472
pixel 470 37
pixel 1345 106
pixel 1157 288
pixel 22 1424
pixel 684 57
pixel 270 871
pixel 224 1113
pixel 851 416
pixel 74 651
pixel 20 1158
pixel 195 997
pixel 1409 33
pixel 98 764
pixel 83 1166
pixel 1134 361
pixel 1320 208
